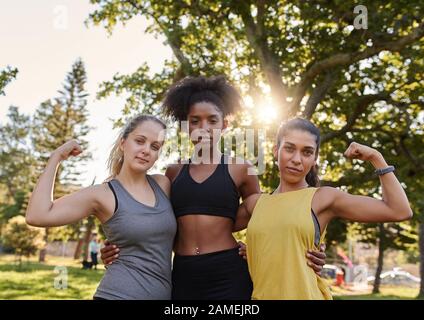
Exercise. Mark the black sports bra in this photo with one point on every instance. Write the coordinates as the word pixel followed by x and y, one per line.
pixel 217 195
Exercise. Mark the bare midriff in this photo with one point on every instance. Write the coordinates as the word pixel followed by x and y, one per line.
pixel 200 234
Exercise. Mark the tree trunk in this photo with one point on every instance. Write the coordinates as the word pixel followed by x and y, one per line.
pixel 87 237
pixel 421 246
pixel 43 252
pixel 376 288
pixel 78 249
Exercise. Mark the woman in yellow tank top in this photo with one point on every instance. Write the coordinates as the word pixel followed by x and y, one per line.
pixel 280 226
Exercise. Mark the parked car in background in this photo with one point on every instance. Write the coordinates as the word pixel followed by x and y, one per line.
pixel 397 276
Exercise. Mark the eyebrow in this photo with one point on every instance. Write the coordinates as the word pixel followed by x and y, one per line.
pixel 210 116
pixel 293 145
pixel 142 136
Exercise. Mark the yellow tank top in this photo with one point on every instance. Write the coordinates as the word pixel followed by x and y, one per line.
pixel 279 233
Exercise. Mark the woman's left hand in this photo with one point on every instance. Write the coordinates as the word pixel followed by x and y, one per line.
pixel 360 151
pixel 316 259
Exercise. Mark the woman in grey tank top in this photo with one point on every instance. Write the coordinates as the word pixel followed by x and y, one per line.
pixel 133 207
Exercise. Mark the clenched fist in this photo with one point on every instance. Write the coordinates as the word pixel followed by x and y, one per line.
pixel 360 151
pixel 70 148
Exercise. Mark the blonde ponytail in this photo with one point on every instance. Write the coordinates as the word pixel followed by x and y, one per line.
pixel 116 159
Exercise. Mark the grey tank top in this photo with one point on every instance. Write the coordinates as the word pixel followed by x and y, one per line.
pixel 145 236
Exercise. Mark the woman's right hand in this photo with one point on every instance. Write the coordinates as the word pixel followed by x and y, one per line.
pixel 242 250
pixel 69 148
pixel 109 253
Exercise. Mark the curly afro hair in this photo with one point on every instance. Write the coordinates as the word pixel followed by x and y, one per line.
pixel 190 90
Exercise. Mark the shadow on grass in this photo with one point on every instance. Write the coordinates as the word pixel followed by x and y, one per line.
pixel 37 281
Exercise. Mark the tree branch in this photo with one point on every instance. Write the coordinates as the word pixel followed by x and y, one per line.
pixel 174 43
pixel 260 17
pixel 362 104
pixel 343 59
pixel 408 154
pixel 318 94
pixel 257 39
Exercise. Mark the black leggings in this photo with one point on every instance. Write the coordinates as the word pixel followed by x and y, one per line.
pixel 221 275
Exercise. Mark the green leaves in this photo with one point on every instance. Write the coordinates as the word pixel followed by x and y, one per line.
pixel 61 119
pixel 6 76
pixel 25 240
pixel 308 59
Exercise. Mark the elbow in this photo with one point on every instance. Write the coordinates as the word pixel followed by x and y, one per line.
pixel 409 214
pixel 31 221
pixel 404 215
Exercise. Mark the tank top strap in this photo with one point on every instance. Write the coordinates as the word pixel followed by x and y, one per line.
pixel 111 185
pixel 156 187
pixel 117 189
pixel 225 161
pixel 224 164
pixel 223 157
pixel 185 169
pixel 122 197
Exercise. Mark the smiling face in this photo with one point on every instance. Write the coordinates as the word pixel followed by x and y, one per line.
pixel 142 146
pixel 203 119
pixel 296 154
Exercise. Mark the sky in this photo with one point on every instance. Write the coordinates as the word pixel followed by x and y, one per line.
pixel 44 38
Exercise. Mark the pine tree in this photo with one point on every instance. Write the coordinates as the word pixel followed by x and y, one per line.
pixel 57 121
pixel 17 164
pixel 6 76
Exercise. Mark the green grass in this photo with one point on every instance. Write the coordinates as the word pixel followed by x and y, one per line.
pixel 386 293
pixel 36 281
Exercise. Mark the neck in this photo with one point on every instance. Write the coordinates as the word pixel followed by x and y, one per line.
pixel 130 177
pixel 286 186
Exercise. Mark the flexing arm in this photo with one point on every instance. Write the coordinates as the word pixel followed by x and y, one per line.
pixel 393 207
pixel 42 211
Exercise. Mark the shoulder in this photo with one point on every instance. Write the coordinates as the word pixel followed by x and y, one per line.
pixel 325 197
pixel 173 169
pixel 238 162
pixel 98 189
pixel 99 193
pixel 174 166
pixel 163 182
pixel 161 179
pixel 327 192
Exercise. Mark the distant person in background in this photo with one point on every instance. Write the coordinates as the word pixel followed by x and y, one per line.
pixel 94 248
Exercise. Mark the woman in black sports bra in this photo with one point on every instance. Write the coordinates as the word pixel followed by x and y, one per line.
pixel 205 196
